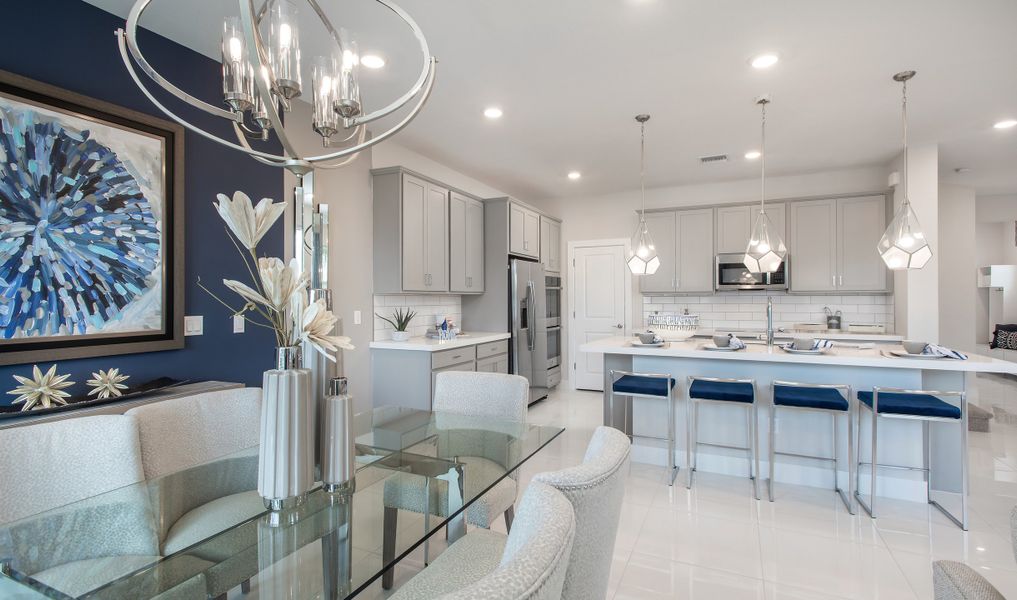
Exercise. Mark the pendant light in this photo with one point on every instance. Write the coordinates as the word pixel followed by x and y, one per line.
pixel 904 246
pixel 644 259
pixel 766 249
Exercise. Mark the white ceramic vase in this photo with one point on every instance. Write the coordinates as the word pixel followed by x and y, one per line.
pixel 288 426
pixel 400 336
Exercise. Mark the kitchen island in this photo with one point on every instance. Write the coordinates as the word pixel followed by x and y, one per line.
pixel 899 441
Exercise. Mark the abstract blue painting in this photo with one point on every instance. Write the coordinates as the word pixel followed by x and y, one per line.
pixel 82 250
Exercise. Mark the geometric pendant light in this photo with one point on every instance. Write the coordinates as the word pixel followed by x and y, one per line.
pixel 903 245
pixel 643 259
pixel 766 249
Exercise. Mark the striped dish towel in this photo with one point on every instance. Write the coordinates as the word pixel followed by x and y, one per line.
pixel 934 350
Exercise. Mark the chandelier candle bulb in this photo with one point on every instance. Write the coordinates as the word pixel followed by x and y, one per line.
pixel 237 86
pixel 338 452
pixel 284 48
pixel 324 118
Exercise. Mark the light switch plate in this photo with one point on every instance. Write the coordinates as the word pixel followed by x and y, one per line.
pixel 238 324
pixel 194 325
pixel 357 319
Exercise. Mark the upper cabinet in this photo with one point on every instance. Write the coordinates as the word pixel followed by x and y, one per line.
pixel 524 231
pixel 550 244
pixel 832 245
pixel 466 244
pixel 734 224
pixel 414 246
pixel 684 242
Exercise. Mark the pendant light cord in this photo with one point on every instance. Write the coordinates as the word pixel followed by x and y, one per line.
pixel 762 164
pixel 904 120
pixel 642 171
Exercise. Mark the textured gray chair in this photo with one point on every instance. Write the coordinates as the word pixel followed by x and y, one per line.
pixel 529 564
pixel 596 489
pixel 957 581
pixel 196 495
pixel 494 395
pixel 92 463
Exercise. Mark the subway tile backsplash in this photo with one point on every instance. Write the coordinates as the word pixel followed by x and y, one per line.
pixel 429 309
pixel 747 310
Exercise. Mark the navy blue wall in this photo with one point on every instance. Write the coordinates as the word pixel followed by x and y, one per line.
pixel 70 44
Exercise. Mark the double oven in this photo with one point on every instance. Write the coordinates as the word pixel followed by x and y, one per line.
pixel 552 286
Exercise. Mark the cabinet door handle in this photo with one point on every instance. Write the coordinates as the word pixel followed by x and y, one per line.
pixel 834 278
pixel 840 280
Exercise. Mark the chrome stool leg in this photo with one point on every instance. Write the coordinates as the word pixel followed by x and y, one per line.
pixel 626 426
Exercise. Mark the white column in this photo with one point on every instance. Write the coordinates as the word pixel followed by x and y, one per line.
pixel 916 292
pixel 958 267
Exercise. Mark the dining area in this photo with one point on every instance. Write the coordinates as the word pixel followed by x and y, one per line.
pixel 162 502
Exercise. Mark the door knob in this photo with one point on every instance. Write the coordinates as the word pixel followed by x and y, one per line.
pixel 618 326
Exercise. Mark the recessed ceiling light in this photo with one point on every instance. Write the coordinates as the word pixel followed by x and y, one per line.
pixel 573 175
pixel 753 154
pixel 1006 124
pixel 492 112
pixel 372 61
pixel 765 61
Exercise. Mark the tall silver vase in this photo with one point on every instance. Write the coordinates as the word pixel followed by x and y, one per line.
pixel 288 427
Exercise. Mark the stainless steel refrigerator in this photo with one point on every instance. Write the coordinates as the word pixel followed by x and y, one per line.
pixel 528 324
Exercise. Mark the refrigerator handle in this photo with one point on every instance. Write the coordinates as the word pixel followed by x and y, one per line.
pixel 529 308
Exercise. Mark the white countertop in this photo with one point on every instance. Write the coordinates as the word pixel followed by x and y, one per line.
pixel 842 335
pixel 835 356
pixel 423 344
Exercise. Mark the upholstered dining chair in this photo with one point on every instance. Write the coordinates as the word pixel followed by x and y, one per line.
pixel 196 495
pixel 494 395
pixel 596 489
pixel 91 463
pixel 956 581
pixel 528 564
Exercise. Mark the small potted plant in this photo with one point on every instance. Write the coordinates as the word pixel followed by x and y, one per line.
pixel 400 320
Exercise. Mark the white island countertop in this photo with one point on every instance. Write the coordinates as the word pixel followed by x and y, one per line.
pixel 829 334
pixel 841 356
pixel 424 344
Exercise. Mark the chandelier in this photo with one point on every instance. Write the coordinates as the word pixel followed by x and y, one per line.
pixel 903 245
pixel 766 249
pixel 644 259
pixel 261 77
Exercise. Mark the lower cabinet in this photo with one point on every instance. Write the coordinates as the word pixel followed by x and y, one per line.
pixel 408 377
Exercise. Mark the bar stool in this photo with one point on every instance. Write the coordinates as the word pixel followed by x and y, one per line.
pixel 831 399
pixel 726 391
pixel 646 385
pixel 919 405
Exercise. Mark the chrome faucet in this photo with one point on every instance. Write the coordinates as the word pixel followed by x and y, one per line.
pixel 769 321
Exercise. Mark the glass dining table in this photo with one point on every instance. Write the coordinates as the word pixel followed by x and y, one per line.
pixel 115 546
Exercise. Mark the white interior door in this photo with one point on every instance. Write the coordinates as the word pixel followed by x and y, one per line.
pixel 599 301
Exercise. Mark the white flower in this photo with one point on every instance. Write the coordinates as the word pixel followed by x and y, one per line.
pixel 42 390
pixel 280 282
pixel 247 222
pixel 316 326
pixel 246 292
pixel 107 384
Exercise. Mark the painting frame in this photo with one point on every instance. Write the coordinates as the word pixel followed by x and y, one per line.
pixel 171 335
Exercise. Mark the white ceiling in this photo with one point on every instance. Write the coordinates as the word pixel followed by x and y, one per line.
pixel 571 74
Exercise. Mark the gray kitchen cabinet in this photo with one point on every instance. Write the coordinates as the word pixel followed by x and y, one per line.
pixel 695 251
pixel 466 244
pixel 734 224
pixel 833 245
pixel 860 224
pixel 494 364
pixel 435 239
pixel 663 229
pixel 524 231
pixel 813 246
pixel 684 243
pixel 550 244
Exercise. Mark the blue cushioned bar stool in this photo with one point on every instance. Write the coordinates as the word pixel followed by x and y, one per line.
pixel 727 391
pixel 831 399
pixel 646 385
pixel 919 405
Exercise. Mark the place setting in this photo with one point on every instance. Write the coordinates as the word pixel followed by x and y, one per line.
pixel 725 342
pixel 807 345
pixel 649 339
pixel 924 351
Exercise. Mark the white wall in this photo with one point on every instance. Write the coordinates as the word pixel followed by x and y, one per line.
pixel 958 268
pixel 391 154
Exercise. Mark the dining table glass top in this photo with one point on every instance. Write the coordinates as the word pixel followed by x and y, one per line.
pixel 204 531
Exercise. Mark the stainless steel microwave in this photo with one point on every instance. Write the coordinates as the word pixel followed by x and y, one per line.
pixel 732 274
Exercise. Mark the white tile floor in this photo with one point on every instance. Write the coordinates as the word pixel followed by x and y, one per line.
pixel 716 542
